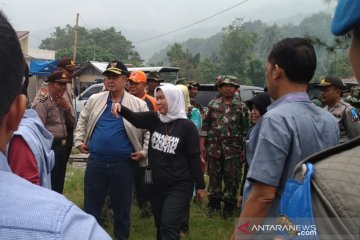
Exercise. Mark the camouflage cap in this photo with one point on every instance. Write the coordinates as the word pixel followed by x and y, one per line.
pixel 181 81
pixel 228 79
pixel 193 84
pixel 355 92
pixel 154 76
pixel 218 80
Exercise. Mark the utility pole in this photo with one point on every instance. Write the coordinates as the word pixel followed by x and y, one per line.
pixel 74 56
pixel 76 35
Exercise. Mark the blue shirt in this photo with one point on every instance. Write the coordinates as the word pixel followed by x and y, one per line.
pixel 32 212
pixel 109 140
pixel 292 129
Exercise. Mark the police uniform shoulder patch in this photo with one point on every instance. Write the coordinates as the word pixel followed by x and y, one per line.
pixel 43 94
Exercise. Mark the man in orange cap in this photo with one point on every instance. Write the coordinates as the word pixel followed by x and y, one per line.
pixel 137 86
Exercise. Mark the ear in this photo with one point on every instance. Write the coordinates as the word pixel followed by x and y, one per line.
pixel 16 112
pixel 278 72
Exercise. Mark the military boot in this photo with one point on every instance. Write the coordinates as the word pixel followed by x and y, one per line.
pixel 214 207
pixel 228 210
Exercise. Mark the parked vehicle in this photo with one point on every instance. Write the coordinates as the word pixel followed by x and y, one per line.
pixel 207 92
pixel 80 101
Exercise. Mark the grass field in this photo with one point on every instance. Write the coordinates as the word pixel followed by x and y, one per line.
pixel 201 227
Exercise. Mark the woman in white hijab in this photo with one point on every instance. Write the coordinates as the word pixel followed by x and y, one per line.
pixel 174 158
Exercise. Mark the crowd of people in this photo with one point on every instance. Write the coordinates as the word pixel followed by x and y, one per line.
pixel 150 140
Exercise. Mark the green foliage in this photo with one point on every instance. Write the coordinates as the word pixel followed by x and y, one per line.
pixel 93 44
pixel 255 72
pixel 241 49
pixel 187 62
pixel 236 48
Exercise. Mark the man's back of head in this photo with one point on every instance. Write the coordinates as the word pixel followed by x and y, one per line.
pixel 297 57
pixel 11 66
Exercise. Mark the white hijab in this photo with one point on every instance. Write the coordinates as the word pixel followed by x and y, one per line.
pixel 175 101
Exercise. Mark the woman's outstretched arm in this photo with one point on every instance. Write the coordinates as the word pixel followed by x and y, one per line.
pixel 144 120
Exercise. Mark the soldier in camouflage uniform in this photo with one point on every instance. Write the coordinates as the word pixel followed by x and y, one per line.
pixel 222 136
pixel 354 98
pixel 57 116
pixel 346 115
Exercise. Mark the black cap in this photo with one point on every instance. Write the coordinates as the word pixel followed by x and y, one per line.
pixel 261 102
pixel 59 76
pixel 68 63
pixel 116 67
pixel 331 81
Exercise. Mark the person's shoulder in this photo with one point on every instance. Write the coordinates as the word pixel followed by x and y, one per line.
pixel 214 102
pixel 134 99
pixel 187 123
pixel 34 206
pixel 99 95
pixel 150 97
pixel 195 110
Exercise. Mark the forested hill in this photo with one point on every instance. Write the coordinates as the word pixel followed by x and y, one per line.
pixel 251 41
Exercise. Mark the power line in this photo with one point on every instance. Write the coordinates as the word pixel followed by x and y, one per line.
pixel 190 25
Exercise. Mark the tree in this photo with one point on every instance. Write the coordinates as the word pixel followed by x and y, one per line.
pixel 236 47
pixel 188 63
pixel 93 44
pixel 336 53
pixel 255 72
pixel 269 37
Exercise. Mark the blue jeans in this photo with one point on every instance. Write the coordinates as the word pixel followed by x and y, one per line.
pixel 116 179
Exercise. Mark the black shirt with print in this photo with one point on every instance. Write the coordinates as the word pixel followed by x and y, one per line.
pixel 174 153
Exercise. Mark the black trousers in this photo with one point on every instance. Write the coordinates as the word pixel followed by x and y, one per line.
pixel 59 170
pixel 141 190
pixel 69 141
pixel 168 206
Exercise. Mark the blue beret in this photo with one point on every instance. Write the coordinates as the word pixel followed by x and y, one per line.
pixel 346 17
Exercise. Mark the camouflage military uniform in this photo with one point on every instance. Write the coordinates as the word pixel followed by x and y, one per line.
pixel 348 119
pixel 354 98
pixel 225 127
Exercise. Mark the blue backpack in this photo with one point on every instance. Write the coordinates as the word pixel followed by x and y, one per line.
pixel 322 200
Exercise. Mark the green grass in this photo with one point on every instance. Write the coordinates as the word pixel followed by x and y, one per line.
pixel 201 227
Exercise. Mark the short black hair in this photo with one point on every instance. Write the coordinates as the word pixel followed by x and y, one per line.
pixel 25 80
pixel 11 65
pixel 297 57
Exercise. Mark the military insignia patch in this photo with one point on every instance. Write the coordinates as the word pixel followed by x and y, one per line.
pixel 113 64
pixel 43 91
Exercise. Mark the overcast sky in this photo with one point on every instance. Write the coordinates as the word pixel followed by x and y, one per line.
pixel 40 17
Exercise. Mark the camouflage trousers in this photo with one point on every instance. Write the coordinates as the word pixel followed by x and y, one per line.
pixel 223 170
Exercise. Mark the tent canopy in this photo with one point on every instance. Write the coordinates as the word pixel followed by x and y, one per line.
pixel 42 68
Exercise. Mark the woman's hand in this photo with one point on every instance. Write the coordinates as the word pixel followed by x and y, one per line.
pixel 115 109
pixel 200 195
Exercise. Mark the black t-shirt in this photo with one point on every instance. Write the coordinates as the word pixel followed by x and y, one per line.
pixel 174 153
